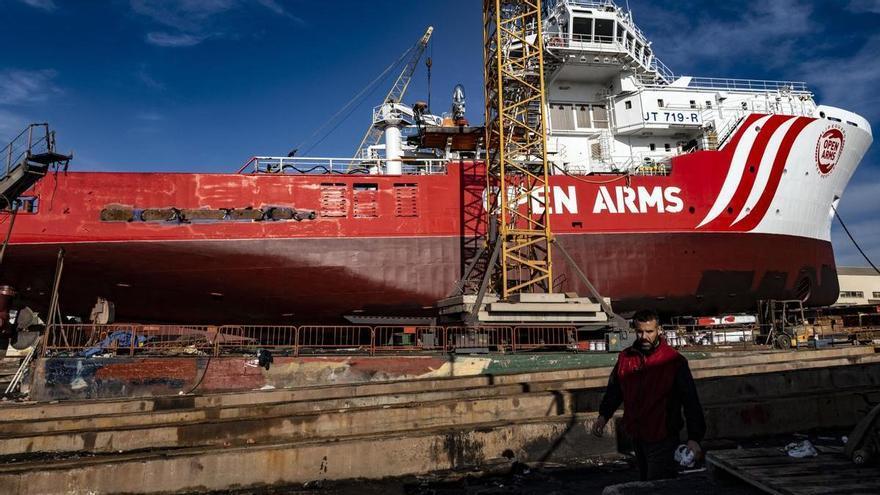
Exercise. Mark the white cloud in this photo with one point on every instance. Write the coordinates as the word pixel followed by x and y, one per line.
pixel 766 29
pixel 150 116
pixel 861 6
pixel 20 87
pixel 193 21
pixel 848 82
pixel 147 79
pixel 10 124
pixel 47 5
pixel 173 40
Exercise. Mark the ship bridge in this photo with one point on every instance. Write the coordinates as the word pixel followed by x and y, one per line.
pixel 600 35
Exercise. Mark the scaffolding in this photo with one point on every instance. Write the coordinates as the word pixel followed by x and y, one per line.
pixel 518 196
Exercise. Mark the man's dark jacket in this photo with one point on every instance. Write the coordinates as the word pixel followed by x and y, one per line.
pixel 653 387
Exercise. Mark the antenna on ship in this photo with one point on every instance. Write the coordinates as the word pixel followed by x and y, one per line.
pixel 396 93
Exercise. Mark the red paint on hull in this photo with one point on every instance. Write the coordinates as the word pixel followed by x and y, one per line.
pixel 317 280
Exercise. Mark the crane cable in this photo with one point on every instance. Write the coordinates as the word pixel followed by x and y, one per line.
pixel 856 244
pixel 367 89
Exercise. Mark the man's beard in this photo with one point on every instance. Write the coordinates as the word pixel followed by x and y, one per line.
pixel 644 345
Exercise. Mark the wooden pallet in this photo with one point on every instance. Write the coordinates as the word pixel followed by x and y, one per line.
pixel 773 471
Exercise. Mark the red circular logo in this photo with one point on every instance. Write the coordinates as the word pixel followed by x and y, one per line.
pixel 828 149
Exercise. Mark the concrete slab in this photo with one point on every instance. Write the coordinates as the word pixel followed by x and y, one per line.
pixel 538 298
pixel 465 299
pixel 554 318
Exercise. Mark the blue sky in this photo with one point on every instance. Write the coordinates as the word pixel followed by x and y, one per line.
pixel 201 85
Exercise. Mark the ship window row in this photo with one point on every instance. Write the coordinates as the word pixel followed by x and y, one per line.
pixel 854 294
pixel 570 117
pixel 593 30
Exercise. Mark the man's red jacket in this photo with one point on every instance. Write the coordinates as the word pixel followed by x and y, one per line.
pixel 654 386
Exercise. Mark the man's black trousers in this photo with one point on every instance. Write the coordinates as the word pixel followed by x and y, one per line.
pixel 656 460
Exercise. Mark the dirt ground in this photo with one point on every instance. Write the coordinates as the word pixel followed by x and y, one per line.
pixel 585 478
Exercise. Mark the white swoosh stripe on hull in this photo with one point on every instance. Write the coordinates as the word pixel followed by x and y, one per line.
pixel 734 173
pixel 765 168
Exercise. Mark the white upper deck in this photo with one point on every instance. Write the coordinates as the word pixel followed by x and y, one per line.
pixel 614 105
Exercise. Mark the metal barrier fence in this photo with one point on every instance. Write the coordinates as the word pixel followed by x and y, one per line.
pixel 144 340
pixel 130 339
pixel 690 335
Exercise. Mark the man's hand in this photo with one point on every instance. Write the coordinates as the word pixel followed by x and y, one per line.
pixel 599 426
pixel 696 449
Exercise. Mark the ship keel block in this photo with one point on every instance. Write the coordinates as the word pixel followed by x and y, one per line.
pixel 554 308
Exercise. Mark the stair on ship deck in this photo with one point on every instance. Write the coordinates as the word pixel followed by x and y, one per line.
pixel 28 157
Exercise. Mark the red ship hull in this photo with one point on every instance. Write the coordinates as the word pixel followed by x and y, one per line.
pixel 247 281
pixel 700 240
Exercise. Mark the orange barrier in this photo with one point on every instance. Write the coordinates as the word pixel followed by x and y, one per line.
pixel 494 338
pixel 352 338
pixel 252 337
pixel 544 337
pixel 409 338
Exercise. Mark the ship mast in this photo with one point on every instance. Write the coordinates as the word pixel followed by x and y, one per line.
pixel 516 160
pixel 396 93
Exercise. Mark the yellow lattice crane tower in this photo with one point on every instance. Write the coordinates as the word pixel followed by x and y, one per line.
pixel 518 196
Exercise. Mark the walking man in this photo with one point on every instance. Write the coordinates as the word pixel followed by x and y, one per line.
pixel 654 383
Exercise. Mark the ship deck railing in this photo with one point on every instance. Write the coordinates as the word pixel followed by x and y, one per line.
pixel 89 340
pixel 612 45
pixel 731 84
pixel 274 165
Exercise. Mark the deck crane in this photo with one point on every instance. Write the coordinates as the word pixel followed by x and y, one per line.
pixel 395 95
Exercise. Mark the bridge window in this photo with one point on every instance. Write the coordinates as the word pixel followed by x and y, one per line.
pixel 628 105
pixel 693 104
pixel 667 147
pixel 660 103
pixel 604 31
pixel 708 104
pixel 583 28
pixel 652 147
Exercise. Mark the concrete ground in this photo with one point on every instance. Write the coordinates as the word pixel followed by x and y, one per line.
pixel 613 478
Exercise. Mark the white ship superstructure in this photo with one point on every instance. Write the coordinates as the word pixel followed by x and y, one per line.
pixel 614 106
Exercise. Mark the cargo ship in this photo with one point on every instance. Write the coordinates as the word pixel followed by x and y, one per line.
pixel 686 194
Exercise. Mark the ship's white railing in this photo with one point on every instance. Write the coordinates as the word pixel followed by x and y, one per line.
pixel 660 68
pixel 744 85
pixel 593 42
pixel 339 166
